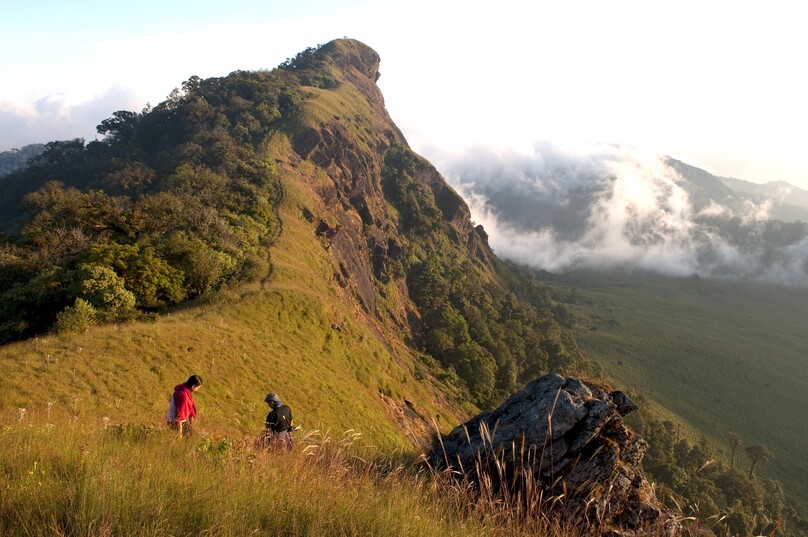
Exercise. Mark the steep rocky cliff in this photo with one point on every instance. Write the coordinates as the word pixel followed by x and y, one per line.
pixel 346 133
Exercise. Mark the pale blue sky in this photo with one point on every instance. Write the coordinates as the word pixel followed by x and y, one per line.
pixel 719 84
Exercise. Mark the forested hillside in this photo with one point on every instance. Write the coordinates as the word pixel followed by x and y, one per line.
pixel 179 201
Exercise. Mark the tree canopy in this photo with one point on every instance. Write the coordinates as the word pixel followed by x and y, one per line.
pixel 176 201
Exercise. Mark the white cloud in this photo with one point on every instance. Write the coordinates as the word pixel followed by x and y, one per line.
pixel 611 206
pixel 55 118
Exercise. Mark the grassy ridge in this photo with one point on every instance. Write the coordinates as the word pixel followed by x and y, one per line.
pixel 292 333
pixel 722 356
pixel 83 451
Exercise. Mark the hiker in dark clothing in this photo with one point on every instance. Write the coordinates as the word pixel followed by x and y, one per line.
pixel 278 426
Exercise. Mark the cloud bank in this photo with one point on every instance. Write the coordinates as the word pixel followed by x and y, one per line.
pixel 611 206
pixel 54 118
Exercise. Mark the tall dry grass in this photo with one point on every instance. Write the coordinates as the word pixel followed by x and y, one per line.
pixel 76 477
pixel 90 477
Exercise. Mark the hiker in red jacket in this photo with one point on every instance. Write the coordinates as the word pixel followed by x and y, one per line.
pixel 182 409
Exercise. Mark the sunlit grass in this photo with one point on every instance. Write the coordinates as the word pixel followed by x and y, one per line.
pixel 78 478
pixel 274 335
pixel 90 476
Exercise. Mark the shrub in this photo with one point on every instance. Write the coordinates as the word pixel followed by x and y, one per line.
pixel 152 281
pixel 76 318
pixel 105 290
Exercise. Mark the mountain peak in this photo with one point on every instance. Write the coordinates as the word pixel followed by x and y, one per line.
pixel 348 57
pixel 340 60
pixel 352 55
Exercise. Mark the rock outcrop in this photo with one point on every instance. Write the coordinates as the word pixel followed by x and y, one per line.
pixel 568 437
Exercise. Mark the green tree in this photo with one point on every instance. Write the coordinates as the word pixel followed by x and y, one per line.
pixel 671 474
pixel 134 178
pixel 66 155
pixel 558 359
pixel 63 218
pixel 737 489
pixel 451 322
pixel 774 497
pixel 204 267
pixel 739 523
pixel 122 125
pixel 477 368
pixel 152 280
pixel 757 453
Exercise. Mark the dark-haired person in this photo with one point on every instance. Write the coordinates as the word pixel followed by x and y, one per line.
pixel 279 422
pixel 182 409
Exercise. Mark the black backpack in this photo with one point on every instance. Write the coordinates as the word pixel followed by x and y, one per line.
pixel 283 415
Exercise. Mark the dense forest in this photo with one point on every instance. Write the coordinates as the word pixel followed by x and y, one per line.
pixel 176 201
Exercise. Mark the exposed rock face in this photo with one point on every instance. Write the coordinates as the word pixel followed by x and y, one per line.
pixel 349 147
pixel 569 436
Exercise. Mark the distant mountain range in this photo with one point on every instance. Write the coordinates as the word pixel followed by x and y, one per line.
pixel 614 207
pixel 787 202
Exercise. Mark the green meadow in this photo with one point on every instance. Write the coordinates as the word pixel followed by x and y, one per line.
pixel 721 356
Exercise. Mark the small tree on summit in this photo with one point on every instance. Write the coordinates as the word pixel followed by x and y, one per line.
pixel 756 454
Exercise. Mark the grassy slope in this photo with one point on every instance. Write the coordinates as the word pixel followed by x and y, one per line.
pixel 65 469
pixel 721 356
pixel 65 478
pixel 276 335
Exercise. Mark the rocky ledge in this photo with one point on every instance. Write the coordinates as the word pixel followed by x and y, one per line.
pixel 568 436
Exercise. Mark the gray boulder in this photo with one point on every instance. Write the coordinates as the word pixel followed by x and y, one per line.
pixel 564 439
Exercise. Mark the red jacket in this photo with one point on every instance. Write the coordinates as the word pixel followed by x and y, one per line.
pixel 184 403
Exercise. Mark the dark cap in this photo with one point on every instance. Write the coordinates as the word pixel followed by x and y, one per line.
pixel 272 397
